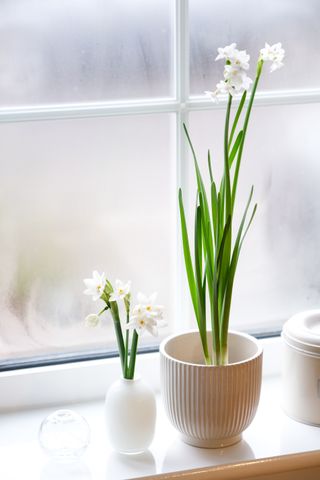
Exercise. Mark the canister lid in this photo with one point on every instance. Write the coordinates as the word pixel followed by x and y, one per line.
pixel 302 331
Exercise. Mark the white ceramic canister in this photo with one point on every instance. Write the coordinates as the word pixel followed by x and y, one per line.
pixel 130 415
pixel 301 367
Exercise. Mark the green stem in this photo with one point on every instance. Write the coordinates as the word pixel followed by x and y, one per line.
pixel 117 326
pixel 219 281
pixel 204 343
pixel 133 355
pixel 127 345
pixel 127 305
pixel 245 127
pixel 226 158
pixel 215 326
pixel 236 118
pixel 224 353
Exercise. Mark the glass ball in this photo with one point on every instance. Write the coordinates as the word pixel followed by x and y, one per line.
pixel 64 435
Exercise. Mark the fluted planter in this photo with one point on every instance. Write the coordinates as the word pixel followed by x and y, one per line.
pixel 210 405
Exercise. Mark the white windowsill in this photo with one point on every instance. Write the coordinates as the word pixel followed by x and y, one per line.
pixel 271 436
pixel 89 380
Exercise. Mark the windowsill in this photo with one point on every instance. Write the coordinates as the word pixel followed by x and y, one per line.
pixel 272 434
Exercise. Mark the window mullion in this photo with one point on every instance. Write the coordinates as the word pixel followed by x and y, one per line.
pixel 182 95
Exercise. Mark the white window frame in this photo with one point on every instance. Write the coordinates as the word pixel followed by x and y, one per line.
pixel 181 104
pixel 89 380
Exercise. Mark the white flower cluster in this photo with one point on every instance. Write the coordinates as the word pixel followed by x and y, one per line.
pixel 273 53
pixel 235 79
pixel 145 315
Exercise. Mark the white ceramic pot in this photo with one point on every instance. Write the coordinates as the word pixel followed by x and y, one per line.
pixel 301 367
pixel 210 405
pixel 130 415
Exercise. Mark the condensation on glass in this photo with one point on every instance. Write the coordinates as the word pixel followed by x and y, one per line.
pixel 279 267
pixel 78 195
pixel 251 23
pixel 75 51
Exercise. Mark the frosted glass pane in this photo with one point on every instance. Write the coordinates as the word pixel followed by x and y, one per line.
pixel 58 51
pixel 79 195
pixel 250 24
pixel 279 267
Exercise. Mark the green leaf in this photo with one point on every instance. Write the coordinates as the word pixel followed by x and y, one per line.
pixel 187 258
pixel 232 270
pixel 220 220
pixel 198 243
pixel 220 255
pixel 237 116
pixel 223 262
pixel 214 209
pixel 209 254
pixel 198 267
pixel 205 214
pixel 245 127
pixel 200 184
pixel 226 174
pixel 248 226
pixel 235 147
pixel 210 166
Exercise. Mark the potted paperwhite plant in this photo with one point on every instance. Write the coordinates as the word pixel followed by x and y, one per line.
pixel 219 371
pixel 130 403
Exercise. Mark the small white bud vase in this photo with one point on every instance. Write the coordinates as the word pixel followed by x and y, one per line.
pixel 130 415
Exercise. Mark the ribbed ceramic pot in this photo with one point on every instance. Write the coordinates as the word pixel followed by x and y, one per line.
pixel 210 405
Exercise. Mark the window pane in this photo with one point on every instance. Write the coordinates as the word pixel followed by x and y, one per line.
pixel 84 50
pixel 79 195
pixel 279 267
pixel 250 24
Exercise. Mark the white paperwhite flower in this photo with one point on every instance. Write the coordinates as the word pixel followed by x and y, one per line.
pixel 141 322
pixel 148 303
pixel 237 58
pixel 236 81
pixel 92 320
pixel 212 95
pixel 223 87
pixel 147 315
pixel 246 82
pixel 226 52
pixel 95 285
pixel 121 290
pixel 240 59
pixel 273 53
pixel 236 78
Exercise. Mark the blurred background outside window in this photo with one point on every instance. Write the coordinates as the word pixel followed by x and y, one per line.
pixel 100 191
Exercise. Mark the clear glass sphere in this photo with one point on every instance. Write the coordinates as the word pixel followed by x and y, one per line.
pixel 64 435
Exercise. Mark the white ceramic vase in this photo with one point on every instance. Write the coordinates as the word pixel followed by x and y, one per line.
pixel 130 415
pixel 210 405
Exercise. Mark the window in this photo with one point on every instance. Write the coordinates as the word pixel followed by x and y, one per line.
pixel 92 99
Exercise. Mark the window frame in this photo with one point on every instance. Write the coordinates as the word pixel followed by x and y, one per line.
pixel 86 381
pixel 181 104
